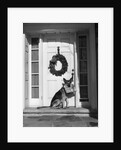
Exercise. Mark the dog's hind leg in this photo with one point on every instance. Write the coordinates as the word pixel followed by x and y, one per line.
pixel 60 105
pixel 56 103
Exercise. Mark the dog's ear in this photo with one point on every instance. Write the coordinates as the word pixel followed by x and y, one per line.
pixel 64 80
pixel 71 79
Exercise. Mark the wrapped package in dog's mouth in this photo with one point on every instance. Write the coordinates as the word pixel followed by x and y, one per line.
pixel 69 89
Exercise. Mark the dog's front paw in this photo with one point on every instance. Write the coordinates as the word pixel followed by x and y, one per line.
pixel 64 107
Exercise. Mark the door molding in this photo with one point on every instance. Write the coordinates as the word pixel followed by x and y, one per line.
pixel 42 75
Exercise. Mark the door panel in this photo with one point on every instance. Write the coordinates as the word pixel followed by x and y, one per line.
pixel 52 83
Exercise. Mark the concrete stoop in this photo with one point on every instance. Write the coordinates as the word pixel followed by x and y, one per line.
pixel 50 111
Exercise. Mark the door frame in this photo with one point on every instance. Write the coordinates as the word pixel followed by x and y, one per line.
pixel 41 75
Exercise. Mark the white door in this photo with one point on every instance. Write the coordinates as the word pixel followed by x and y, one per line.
pixel 52 83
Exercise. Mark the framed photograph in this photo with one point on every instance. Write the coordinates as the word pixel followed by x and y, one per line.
pixel 60 74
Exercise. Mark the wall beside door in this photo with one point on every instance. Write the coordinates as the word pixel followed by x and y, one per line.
pixel 26 52
pixel 93 69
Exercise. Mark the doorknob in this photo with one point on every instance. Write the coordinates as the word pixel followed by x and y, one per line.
pixel 72 71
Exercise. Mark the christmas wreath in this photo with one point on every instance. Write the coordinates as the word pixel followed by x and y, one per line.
pixel 53 62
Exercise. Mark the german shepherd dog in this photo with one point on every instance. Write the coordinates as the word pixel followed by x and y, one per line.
pixel 61 97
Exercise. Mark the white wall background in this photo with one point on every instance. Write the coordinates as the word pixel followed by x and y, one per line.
pixel 16 18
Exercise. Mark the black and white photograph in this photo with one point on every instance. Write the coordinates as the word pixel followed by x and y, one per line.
pixel 61 75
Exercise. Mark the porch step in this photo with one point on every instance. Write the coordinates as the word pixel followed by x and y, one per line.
pixel 50 111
